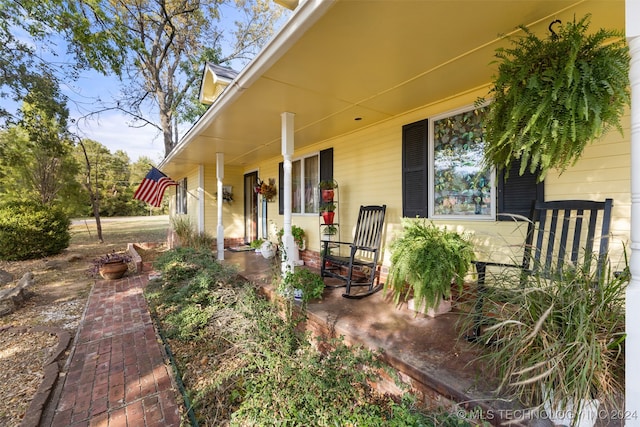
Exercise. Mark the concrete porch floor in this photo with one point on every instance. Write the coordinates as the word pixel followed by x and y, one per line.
pixel 428 352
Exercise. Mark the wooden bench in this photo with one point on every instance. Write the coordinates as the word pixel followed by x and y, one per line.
pixel 558 233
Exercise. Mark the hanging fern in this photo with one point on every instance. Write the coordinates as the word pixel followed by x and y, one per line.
pixel 552 97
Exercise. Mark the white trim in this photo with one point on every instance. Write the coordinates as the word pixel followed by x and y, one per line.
pixel 200 192
pixel 301 159
pixel 431 173
pixel 632 297
pixel 220 227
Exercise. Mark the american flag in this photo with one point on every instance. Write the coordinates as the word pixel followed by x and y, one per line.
pixel 152 187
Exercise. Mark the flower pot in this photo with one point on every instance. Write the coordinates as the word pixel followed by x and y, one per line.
pixel 328 217
pixel 442 308
pixel 564 415
pixel 327 196
pixel 268 250
pixel 113 270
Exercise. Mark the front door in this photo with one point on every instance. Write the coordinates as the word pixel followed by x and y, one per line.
pixel 250 207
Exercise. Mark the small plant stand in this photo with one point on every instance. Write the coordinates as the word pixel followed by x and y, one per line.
pixel 330 231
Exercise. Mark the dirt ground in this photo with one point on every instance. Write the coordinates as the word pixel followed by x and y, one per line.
pixel 57 300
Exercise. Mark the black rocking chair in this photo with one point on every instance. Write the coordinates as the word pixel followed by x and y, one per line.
pixel 363 256
pixel 557 232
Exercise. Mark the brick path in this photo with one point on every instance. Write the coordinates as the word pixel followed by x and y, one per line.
pixel 117 375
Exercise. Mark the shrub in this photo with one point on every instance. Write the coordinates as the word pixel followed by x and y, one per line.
pixel 183 228
pixel 30 230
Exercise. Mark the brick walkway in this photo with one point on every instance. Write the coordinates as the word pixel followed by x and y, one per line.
pixel 117 375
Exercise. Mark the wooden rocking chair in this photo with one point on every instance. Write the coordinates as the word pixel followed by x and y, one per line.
pixel 558 233
pixel 363 256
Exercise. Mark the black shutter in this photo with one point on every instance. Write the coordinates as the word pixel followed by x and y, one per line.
pixel 415 170
pixel 326 164
pixel 281 188
pixel 516 192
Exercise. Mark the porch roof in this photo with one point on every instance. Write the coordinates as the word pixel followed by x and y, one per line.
pixel 337 61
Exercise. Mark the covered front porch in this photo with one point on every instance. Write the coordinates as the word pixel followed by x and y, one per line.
pixel 428 353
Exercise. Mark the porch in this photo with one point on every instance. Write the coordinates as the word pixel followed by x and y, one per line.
pixel 427 353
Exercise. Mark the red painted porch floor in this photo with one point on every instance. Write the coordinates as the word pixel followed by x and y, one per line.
pixel 118 374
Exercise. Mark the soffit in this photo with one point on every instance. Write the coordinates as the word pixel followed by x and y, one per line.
pixel 374 60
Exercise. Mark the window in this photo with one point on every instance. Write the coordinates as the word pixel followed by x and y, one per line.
pixel 304 185
pixel 181 197
pixel 442 173
pixel 306 174
pixel 460 185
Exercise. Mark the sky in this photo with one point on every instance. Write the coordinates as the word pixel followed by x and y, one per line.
pixel 112 129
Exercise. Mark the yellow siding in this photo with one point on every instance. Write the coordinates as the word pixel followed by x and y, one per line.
pixel 368 165
pixel 232 213
pixel 192 196
pixel 604 171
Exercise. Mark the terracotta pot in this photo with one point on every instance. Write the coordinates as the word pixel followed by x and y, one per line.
pixel 327 196
pixel 113 270
pixel 328 217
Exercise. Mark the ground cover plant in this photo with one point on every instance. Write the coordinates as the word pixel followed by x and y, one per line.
pixel 244 360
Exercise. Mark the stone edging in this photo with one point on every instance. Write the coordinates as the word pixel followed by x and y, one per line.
pixel 51 372
pixel 12 297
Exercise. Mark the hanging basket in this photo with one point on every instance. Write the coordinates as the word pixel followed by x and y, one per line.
pixel 553 96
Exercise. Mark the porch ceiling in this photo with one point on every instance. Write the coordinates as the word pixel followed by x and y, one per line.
pixel 367 59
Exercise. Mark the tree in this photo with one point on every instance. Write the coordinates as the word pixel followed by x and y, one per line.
pixel 167 45
pixel 26 24
pixel 36 156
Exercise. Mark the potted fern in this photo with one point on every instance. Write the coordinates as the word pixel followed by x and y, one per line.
pixel 425 261
pixel 553 96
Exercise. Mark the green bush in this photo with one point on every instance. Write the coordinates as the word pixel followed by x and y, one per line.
pixel 30 230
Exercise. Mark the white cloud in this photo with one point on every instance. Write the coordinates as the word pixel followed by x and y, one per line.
pixel 111 129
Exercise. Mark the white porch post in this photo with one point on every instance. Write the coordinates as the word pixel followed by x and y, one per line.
pixel 287 153
pixel 632 345
pixel 201 199
pixel 220 229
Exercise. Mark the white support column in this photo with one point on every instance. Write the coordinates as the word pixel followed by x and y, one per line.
pixel 220 229
pixel 287 153
pixel 632 345
pixel 201 199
